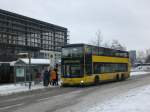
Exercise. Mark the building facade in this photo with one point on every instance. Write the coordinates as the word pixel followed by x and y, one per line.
pixel 21 34
pixel 132 55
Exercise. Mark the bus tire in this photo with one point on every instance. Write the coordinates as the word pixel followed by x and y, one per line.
pixel 96 80
pixel 123 77
pixel 117 77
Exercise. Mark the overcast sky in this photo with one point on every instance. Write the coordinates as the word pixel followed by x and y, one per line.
pixel 125 20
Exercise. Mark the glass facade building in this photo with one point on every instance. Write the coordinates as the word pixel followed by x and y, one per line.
pixel 23 34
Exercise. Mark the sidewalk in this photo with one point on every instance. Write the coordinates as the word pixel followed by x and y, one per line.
pixel 21 87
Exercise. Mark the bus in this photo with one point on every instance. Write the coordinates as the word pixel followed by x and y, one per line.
pixel 84 64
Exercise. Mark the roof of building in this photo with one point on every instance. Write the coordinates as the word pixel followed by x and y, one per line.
pixel 29 19
pixel 35 61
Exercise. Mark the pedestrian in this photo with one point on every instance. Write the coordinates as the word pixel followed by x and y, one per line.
pixel 56 70
pixel 42 75
pixel 53 77
pixel 37 77
pixel 50 79
pixel 46 78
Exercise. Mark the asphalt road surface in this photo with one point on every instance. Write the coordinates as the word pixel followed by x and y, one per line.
pixel 70 99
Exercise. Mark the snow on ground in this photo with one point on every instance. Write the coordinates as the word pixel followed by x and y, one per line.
pixel 141 68
pixel 21 87
pixel 15 88
pixel 139 73
pixel 136 100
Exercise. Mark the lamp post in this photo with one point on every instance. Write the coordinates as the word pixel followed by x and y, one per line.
pixel 29 56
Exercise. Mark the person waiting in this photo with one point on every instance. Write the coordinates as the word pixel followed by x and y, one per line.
pixel 53 77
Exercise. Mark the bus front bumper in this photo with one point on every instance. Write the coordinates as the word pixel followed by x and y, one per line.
pixel 73 81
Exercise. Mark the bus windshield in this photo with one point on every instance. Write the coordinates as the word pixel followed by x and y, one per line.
pixel 72 52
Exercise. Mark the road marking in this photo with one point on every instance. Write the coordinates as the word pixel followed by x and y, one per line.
pixel 60 95
pixel 11 106
pixel 21 98
pixel 43 99
pixel 29 96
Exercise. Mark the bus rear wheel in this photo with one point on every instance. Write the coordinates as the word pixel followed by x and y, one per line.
pixel 96 80
pixel 117 77
pixel 123 77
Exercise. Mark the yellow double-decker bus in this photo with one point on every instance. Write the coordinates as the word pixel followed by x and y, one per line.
pixel 86 64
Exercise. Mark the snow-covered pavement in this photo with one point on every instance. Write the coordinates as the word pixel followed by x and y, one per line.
pixel 136 100
pixel 139 73
pixel 15 88
pixel 124 96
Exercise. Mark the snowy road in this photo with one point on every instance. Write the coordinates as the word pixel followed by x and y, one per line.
pixel 105 97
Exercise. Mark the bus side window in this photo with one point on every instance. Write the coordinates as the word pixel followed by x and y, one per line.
pixel 97 68
pixel 95 51
pixel 88 69
pixel 67 70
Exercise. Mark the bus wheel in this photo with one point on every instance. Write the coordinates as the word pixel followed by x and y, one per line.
pixel 96 80
pixel 123 77
pixel 117 77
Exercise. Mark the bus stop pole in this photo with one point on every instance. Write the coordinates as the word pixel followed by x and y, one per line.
pixel 29 56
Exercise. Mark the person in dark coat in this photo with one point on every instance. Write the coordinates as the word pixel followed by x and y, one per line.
pixel 56 70
pixel 50 80
pixel 46 78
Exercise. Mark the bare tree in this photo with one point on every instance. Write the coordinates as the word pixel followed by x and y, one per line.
pixel 97 41
pixel 147 52
pixel 117 45
pixel 107 44
pixel 141 56
pixel 147 56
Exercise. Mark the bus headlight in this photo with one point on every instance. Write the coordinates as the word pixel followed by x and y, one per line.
pixel 82 81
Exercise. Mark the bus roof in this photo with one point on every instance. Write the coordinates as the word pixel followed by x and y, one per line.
pixel 82 44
